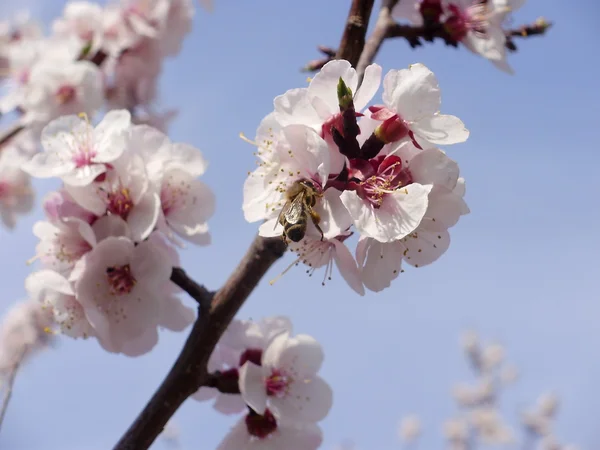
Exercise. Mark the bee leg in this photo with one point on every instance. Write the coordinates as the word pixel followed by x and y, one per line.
pixel 316 219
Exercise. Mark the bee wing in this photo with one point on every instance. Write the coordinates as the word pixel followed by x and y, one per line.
pixel 295 211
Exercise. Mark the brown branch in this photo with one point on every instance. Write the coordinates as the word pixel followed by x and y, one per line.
pixel 198 292
pixel 353 39
pixel 10 133
pixel 373 44
pixel 189 372
pixel 224 382
pixel 8 385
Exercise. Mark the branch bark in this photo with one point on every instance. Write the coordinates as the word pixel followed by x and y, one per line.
pixel 189 372
pixel 10 133
pixel 373 44
pixel 353 39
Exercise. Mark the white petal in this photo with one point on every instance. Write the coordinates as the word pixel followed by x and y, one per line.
pixel 424 246
pixel 189 158
pixel 110 226
pixel 368 87
pixel 175 315
pixel 38 282
pixel 203 394
pixel 109 135
pixel 302 355
pixel 270 228
pixel 307 400
pixel 335 218
pixel 143 216
pixel 414 92
pixel 400 213
pixel 347 267
pixel 252 386
pixel 149 264
pixel 83 176
pixel 440 129
pixel 229 404
pixel 142 344
pixel 295 107
pixel 432 166
pixel 324 84
pixel 381 263
pixel 237 439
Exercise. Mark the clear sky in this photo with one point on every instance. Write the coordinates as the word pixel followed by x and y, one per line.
pixel 522 268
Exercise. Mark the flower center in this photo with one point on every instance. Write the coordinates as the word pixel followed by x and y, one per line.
pixel 389 178
pixel 261 426
pixel 120 279
pixel 474 18
pixel 65 94
pixel 120 203
pixel 277 383
pixel 83 157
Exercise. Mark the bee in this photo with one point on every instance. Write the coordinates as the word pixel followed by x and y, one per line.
pixel 301 199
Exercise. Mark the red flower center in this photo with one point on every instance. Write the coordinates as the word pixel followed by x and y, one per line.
pixel 119 203
pixel 120 279
pixel 277 384
pixel 65 94
pixel 390 177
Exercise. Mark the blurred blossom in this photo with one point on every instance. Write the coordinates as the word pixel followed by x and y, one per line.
pixel 456 430
pixel 466 395
pixel 410 428
pixel 492 356
pixel 23 330
pixel 490 427
pixel 171 434
pixel 509 374
pixel 547 405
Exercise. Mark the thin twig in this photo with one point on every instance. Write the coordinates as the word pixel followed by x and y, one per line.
pixel 373 44
pixel 353 39
pixel 189 372
pixel 10 133
pixel 198 292
pixel 8 386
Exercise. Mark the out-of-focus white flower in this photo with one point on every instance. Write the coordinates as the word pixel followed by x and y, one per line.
pixel 410 428
pixel 492 356
pixel 547 405
pixel 456 430
pixel 509 374
pixel 23 330
pixel 16 193
pixel 490 427
pixel 77 152
pixel 59 88
pixel 468 396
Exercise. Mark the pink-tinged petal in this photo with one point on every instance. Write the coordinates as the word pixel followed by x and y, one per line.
pixel 432 166
pixel 400 213
pixel 440 129
pixel 110 135
pixel 252 386
pixel 503 65
pixel 307 400
pixel 175 315
pixel 368 87
pixel 347 267
pixel 188 158
pixel 150 265
pixel 83 228
pixel 229 404
pixel 197 235
pixel 324 84
pixel 301 356
pixel 47 165
pixel 306 436
pixel 322 109
pixel 84 176
pixel 335 218
pixel 143 216
pixel 271 327
pixel 336 159
pixel 381 263
pixel 270 357
pixel 108 226
pixel 367 127
pixel 424 246
pixel 38 283
pixel 237 438
pixel 414 94
pixel 204 394
pixel 142 344
pixel 88 198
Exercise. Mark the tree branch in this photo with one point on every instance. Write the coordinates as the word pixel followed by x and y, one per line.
pixel 10 133
pixel 189 372
pixel 198 292
pixel 384 22
pixel 353 39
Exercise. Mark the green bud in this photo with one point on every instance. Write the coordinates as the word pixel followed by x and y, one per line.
pixel 344 94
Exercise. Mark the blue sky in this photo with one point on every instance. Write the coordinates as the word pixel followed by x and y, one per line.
pixel 522 268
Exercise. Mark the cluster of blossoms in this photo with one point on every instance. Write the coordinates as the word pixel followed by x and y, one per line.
pixel 275 382
pixel 95 57
pixel 477 24
pixel 107 245
pixel 322 171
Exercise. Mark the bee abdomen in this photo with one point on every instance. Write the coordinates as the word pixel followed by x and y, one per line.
pixel 296 232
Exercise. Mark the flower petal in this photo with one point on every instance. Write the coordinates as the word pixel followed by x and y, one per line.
pixel 368 87
pixel 347 267
pixel 414 92
pixel 440 129
pixel 307 400
pixel 252 386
